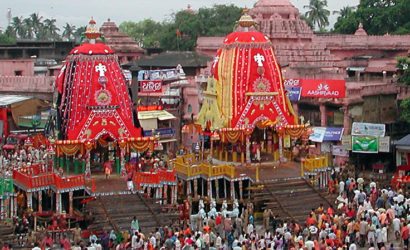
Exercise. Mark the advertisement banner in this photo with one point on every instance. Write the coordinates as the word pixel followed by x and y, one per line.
pixel 384 144
pixel 339 151
pixel 333 134
pixel 365 144
pixel 162 74
pixel 347 142
pixel 359 128
pixel 150 86
pixel 324 88
pixel 293 82
pixel 293 93
pixel 286 141
pixel 318 134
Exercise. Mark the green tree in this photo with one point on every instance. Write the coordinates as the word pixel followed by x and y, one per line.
pixel 6 39
pixel 403 65
pixel 68 31
pixel 18 27
pixel 36 23
pixel 378 18
pixel 183 29
pixel 78 33
pixel 317 14
pixel 405 110
pixel 146 32
pixel 29 28
pixel 344 12
pixel 52 30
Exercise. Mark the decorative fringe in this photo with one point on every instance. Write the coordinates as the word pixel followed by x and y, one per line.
pixel 259 45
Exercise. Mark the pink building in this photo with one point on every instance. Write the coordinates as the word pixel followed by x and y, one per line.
pixel 367 63
pixel 23 67
pixel 124 46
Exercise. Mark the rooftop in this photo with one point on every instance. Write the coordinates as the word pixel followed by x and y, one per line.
pixel 171 59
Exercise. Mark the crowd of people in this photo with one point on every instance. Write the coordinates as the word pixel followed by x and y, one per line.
pixel 365 216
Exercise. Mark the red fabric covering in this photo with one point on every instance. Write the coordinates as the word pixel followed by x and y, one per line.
pixel 246 37
pixel 92 49
pixel 258 92
pixel 94 96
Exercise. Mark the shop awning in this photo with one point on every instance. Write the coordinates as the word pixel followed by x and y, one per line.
pixel 404 143
pixel 161 115
pixel 321 134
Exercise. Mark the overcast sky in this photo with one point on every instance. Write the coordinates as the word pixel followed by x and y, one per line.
pixel 79 12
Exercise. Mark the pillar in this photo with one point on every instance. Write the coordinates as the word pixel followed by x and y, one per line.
pixel 226 155
pixel 87 174
pixel 211 151
pixel 242 157
pixel 58 203
pixel 174 194
pixel 203 187
pixel 225 194
pixel 248 150
pixel 2 210
pixel 122 171
pixel 209 187
pixel 195 188
pixel 295 108
pixel 70 202
pixel 149 192
pixel 322 108
pixel 40 201
pixel 280 147
pixel 14 206
pixel 249 190
pixel 234 156
pixel 220 152
pixel 161 195
pixel 346 120
pixel 67 164
pixel 29 200
pixel 217 188
pixel 188 188
pixel 240 190
pixel 232 190
pixel 165 194
pixel 76 165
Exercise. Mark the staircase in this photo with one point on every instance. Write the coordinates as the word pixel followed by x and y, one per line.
pixel 115 212
pixel 291 199
pixel 7 235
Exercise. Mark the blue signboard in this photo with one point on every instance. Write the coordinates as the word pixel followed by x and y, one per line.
pixel 293 93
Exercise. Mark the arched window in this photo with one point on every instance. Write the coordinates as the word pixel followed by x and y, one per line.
pixel 189 108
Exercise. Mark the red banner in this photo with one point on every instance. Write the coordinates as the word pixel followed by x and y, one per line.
pixel 324 88
pixel 150 86
pixel 150 108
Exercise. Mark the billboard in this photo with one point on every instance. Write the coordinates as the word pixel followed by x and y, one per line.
pixel 323 88
pixel 150 86
pixel 360 128
pixel 365 144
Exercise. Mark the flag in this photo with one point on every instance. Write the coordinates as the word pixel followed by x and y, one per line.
pixel 178 32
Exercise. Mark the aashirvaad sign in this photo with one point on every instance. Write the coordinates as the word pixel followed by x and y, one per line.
pixel 323 88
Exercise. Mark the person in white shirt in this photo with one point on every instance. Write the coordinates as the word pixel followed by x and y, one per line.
pixel 153 241
pixel 352 247
pixel 134 240
pixel 309 244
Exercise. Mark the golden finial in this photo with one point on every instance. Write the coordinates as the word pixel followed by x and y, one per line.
pixel 246 20
pixel 92 32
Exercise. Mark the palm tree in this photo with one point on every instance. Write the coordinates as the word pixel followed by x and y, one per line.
pixel 78 33
pixel 344 12
pixel 18 26
pixel 68 31
pixel 36 22
pixel 50 26
pixel 29 29
pixel 317 13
